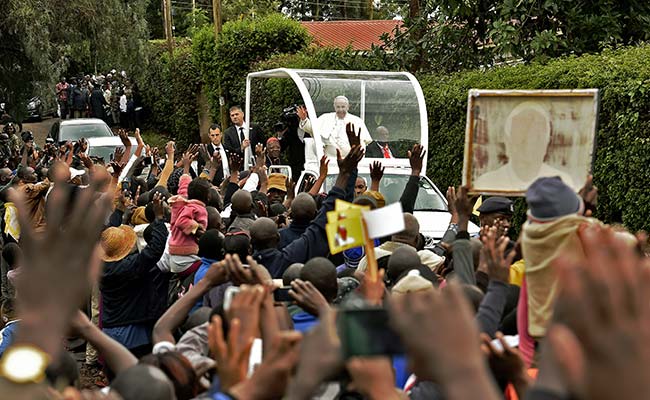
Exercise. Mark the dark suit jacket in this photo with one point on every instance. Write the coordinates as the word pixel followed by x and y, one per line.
pixel 232 143
pixel 373 150
pixel 218 177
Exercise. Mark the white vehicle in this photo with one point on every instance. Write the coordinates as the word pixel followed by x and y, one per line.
pixel 75 129
pixel 390 102
pixel 104 147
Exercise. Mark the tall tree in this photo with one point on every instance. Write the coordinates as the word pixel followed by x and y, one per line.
pixel 451 35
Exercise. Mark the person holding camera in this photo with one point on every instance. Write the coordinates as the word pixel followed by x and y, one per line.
pixel 291 140
pixel 29 147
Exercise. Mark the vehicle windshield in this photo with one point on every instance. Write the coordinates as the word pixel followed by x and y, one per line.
pixel 76 132
pixel 392 187
pixel 103 152
pixel 387 104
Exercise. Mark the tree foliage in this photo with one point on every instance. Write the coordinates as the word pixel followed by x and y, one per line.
pixel 452 35
pixel 169 89
pixel 41 39
pixel 226 63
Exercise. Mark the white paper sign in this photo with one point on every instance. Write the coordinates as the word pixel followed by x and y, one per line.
pixel 384 221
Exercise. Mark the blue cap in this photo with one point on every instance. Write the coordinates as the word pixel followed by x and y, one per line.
pixel 550 198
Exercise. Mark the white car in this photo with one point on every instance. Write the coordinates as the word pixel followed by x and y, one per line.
pixel 75 129
pixel 430 209
pixel 104 147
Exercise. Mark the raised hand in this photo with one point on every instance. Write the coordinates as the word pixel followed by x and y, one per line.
pixel 493 252
pixel 376 173
pixel 324 165
pixel 272 376
pixel 232 356
pixel 255 274
pixel 246 308
pixel 416 159
pixel 204 153
pixel 119 153
pixel 350 162
pixel 170 148
pixel 373 377
pixel 464 205
pixel 451 203
pixel 307 296
pixel 235 163
pixel 589 194
pixel 216 160
pixel 124 137
pixel 506 363
pixel 455 352
pixel 354 137
pixel 320 357
pixel 158 206
pixel 373 291
pixel 50 296
pixel 302 113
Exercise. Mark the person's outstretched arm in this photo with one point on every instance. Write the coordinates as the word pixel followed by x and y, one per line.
pixel 178 312
pixel 410 194
pixel 169 165
pixel 118 358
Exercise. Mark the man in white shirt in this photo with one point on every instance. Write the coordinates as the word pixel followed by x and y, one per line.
pixel 239 140
pixel 331 128
pixel 215 146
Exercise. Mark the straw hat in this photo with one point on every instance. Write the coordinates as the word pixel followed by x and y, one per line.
pixel 278 182
pixel 117 243
pixel 378 197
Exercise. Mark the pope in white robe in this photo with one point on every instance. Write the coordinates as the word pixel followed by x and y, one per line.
pixel 331 128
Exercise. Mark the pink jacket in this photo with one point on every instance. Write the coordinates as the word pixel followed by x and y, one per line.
pixel 187 216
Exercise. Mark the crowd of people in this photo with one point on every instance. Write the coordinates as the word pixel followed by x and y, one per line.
pixel 217 282
pixel 113 98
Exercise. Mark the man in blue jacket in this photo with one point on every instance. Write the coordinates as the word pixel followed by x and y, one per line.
pixel 313 242
pixel 133 289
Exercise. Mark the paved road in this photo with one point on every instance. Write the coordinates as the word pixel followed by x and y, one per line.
pixel 39 129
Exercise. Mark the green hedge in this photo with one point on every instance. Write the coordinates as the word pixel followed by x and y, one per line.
pixel 241 44
pixel 169 89
pixel 622 155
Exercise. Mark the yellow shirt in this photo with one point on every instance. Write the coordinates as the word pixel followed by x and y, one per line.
pixel 517 272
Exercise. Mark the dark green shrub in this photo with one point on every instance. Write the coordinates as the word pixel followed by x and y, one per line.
pixel 241 44
pixel 169 88
pixel 622 156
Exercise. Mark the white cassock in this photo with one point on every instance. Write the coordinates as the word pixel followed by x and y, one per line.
pixel 332 131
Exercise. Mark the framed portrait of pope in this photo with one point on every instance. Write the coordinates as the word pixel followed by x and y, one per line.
pixel 513 137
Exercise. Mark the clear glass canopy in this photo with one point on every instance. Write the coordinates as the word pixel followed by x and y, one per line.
pixel 391 104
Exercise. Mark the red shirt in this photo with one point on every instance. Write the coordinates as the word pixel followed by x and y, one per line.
pixel 62 90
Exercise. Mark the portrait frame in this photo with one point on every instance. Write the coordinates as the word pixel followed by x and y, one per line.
pixel 579 138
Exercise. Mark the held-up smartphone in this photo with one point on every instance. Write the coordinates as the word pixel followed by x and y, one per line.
pixel 282 294
pixel 366 332
pixel 281 169
pixel 231 292
pixel 147 161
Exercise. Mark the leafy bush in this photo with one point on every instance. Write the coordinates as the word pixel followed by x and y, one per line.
pixel 622 156
pixel 169 88
pixel 241 44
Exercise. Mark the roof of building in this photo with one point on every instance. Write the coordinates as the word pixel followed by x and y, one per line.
pixel 360 35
